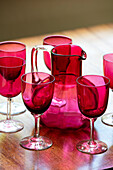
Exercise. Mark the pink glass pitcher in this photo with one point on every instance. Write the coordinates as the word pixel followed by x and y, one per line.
pixel 66 61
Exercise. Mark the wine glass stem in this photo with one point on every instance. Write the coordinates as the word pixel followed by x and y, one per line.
pixel 8 108
pixel 92 132
pixel 37 126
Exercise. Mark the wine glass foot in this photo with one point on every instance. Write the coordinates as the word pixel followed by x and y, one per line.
pixel 107 119
pixel 98 148
pixel 39 143
pixel 10 126
pixel 16 108
pixel 58 102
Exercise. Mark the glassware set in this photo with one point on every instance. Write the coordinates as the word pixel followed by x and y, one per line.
pixel 64 90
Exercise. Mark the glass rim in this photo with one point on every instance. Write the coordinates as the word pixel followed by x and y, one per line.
pixel 74 55
pixel 106 58
pixel 13 42
pixel 24 62
pixel 92 85
pixel 56 36
pixel 41 84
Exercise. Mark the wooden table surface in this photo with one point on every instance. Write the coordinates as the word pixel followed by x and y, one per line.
pixel 63 155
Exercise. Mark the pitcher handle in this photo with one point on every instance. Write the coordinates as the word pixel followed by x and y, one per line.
pixel 34 54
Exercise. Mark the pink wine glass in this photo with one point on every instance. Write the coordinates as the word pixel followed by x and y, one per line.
pixel 54 40
pixel 37 93
pixel 18 49
pixel 92 93
pixel 11 70
pixel 108 72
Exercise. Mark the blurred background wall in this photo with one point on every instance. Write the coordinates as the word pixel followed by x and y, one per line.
pixel 23 18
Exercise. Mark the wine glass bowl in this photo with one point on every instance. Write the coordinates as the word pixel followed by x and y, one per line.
pixel 108 72
pixel 92 93
pixel 37 93
pixel 11 70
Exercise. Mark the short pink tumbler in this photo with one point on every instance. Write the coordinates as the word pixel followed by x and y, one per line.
pixel 54 40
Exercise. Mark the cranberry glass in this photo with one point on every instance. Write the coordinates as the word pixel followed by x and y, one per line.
pixel 92 93
pixel 108 72
pixel 37 93
pixel 18 49
pixel 66 67
pixel 54 40
pixel 66 60
pixel 11 70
